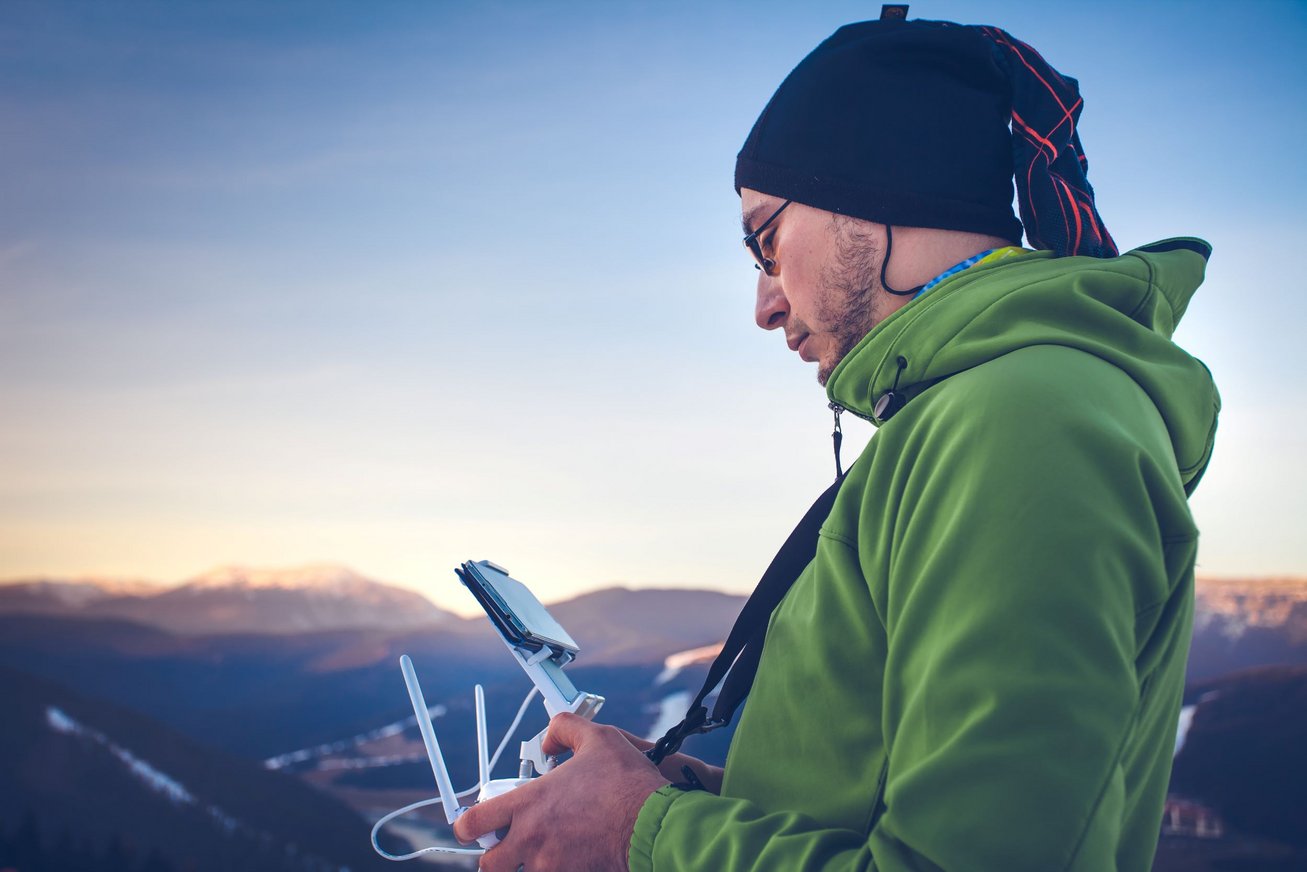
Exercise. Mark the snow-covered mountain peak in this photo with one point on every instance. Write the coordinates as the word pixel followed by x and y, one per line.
pixel 319 578
pixel 295 599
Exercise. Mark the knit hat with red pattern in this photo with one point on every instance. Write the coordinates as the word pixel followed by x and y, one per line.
pixel 926 124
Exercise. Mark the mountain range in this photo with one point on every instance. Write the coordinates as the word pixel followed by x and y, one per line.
pixel 295 671
pixel 238 599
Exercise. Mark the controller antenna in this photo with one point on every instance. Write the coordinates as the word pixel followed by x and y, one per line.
pixel 483 760
pixel 438 768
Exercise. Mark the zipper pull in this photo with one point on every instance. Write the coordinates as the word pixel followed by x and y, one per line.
pixel 837 437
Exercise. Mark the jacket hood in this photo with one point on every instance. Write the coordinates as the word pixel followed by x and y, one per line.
pixel 1122 309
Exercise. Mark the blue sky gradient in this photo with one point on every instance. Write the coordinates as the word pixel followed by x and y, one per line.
pixel 402 284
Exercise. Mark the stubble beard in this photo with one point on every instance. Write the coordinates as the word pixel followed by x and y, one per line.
pixel 849 300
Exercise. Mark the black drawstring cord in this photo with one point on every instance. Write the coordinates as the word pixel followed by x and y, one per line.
pixel 837 437
pixel 890 401
pixel 884 265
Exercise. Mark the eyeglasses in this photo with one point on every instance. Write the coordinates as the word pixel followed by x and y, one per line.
pixel 766 264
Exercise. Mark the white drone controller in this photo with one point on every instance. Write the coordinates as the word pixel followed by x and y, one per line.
pixel 542 648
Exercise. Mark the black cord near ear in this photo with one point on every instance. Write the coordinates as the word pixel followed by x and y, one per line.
pixel 884 265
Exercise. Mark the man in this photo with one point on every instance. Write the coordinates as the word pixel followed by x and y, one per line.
pixel 981 667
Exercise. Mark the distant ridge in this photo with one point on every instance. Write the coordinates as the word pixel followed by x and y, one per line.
pixel 59 594
pixel 1256 602
pixel 235 599
pixel 624 625
pixel 1242 623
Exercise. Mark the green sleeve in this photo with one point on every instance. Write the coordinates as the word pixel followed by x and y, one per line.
pixel 677 830
pixel 1014 539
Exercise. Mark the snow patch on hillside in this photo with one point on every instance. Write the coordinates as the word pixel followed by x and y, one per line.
pixel 151 776
pixel 331 749
pixel 1186 718
pixel 143 771
pixel 671 710
pixel 674 663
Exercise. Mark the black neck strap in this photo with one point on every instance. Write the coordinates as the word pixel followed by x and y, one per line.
pixel 743 646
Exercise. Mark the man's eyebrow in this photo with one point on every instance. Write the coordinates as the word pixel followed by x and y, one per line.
pixel 746 222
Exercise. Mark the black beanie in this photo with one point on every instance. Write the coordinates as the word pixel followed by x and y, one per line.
pixel 907 123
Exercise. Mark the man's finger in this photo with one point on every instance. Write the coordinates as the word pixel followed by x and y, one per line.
pixel 567 732
pixel 486 817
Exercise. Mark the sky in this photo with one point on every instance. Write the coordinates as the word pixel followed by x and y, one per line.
pixel 398 285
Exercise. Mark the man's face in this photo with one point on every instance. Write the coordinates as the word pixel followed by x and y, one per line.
pixel 825 290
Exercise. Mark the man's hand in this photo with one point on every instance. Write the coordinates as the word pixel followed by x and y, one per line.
pixel 577 818
pixel 709 776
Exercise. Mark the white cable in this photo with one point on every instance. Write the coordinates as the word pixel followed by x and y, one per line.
pixel 535 691
pixel 376 828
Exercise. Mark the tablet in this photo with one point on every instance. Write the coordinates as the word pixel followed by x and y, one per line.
pixel 520 618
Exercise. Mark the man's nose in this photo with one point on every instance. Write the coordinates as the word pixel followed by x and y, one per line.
pixel 771 308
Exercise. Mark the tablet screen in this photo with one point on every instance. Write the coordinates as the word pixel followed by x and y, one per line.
pixel 514 610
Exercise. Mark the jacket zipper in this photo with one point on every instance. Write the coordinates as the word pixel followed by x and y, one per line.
pixel 839 410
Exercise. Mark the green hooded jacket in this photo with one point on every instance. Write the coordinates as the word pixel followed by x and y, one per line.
pixel 983 665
